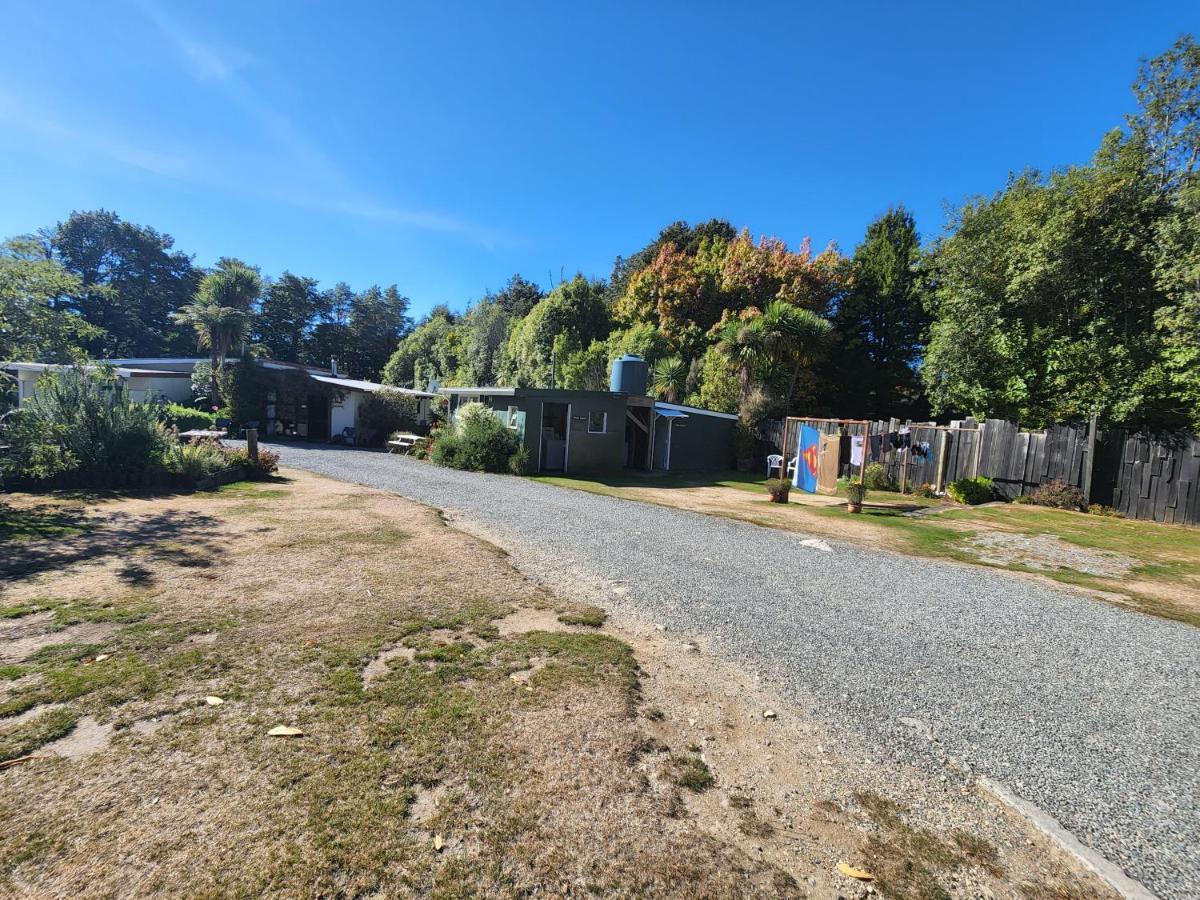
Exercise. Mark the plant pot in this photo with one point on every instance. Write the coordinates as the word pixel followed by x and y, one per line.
pixel 779 496
pixel 853 507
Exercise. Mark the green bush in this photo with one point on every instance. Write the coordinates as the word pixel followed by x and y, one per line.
pixel 972 491
pixel 856 492
pixel 876 478
pixel 184 418
pixel 266 464
pixel 477 442
pixel 518 463
pixel 82 420
pixel 1059 495
pixel 386 411
pixel 195 460
pixel 779 489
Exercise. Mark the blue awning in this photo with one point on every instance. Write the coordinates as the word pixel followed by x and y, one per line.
pixel 670 413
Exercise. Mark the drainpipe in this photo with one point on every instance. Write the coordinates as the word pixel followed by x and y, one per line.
pixel 333 366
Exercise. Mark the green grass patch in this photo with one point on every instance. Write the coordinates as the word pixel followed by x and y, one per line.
pixel 38 731
pixel 690 771
pixel 42 522
pixel 590 616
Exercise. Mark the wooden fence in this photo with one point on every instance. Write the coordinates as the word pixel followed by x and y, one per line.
pixel 1141 476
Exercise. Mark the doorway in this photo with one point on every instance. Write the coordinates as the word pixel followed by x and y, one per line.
pixel 555 439
pixel 318 417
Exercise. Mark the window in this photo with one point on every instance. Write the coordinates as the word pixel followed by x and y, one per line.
pixel 597 422
pixel 512 418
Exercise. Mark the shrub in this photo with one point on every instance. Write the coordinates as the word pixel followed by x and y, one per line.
pixel 927 491
pixel 518 463
pixel 1059 495
pixel 1099 509
pixel 779 489
pixel 266 464
pixel 195 460
pixel 876 478
pixel 478 442
pixel 387 411
pixel 175 415
pixel 856 492
pixel 972 491
pixel 82 419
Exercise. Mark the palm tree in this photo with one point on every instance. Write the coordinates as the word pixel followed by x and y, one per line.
pixel 220 312
pixel 668 380
pixel 780 335
pixel 791 336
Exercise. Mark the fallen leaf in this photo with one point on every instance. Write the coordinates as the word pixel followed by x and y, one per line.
pixel 285 731
pixel 438 843
pixel 102 657
pixel 213 701
pixel 860 874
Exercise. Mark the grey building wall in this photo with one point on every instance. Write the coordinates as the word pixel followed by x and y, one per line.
pixel 702 442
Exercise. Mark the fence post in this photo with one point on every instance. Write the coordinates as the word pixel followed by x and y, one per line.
pixel 252 443
pixel 1091 459
pixel 943 452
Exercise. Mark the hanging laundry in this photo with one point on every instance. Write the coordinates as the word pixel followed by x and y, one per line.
pixel 807 451
pixel 903 439
pixel 856 450
pixel 875 447
pixel 921 449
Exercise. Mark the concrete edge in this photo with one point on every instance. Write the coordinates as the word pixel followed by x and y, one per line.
pixel 1107 871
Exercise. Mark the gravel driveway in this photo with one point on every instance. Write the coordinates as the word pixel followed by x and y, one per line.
pixel 1086 710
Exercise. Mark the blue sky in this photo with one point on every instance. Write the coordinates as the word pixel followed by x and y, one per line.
pixel 444 146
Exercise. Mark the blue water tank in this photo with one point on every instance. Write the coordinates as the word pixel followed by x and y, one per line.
pixel 629 375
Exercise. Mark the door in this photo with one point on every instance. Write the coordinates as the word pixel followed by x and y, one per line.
pixel 555 437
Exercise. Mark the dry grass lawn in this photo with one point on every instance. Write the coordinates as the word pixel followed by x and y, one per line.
pixel 463 732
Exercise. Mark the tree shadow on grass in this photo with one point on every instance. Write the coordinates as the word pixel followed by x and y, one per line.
pixel 179 538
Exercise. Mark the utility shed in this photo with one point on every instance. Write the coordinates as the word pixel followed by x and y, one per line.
pixel 574 432
pixel 690 438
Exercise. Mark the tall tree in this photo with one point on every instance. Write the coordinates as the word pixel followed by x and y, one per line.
pixel 1168 121
pixel 573 312
pixel 1044 297
pixel 378 320
pixel 219 315
pixel 429 351
pixel 32 327
pixel 518 297
pixel 131 279
pixel 290 309
pixel 881 323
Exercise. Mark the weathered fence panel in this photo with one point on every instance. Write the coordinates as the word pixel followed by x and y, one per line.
pixel 1152 477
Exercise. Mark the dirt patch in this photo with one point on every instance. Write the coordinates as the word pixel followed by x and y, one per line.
pixel 13 722
pixel 87 737
pixel 381 663
pixel 34 623
pixel 20 649
pixel 526 620
pixel 1047 552
pixel 536 664
pixel 425 803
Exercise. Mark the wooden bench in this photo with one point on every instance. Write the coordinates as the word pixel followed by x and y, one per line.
pixel 403 443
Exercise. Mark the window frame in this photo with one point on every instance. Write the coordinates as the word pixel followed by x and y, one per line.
pixel 603 421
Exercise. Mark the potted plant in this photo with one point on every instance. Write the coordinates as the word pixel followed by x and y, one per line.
pixel 856 492
pixel 778 488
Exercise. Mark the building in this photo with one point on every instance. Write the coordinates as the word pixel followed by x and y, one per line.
pixel 602 431
pixel 298 401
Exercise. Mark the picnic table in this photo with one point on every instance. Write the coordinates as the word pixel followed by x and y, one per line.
pixel 202 434
pixel 403 443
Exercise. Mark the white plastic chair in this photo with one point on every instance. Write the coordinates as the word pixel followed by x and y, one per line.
pixel 791 469
pixel 775 461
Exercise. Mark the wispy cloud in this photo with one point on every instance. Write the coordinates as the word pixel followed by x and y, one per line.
pixel 318 182
pixel 114 148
